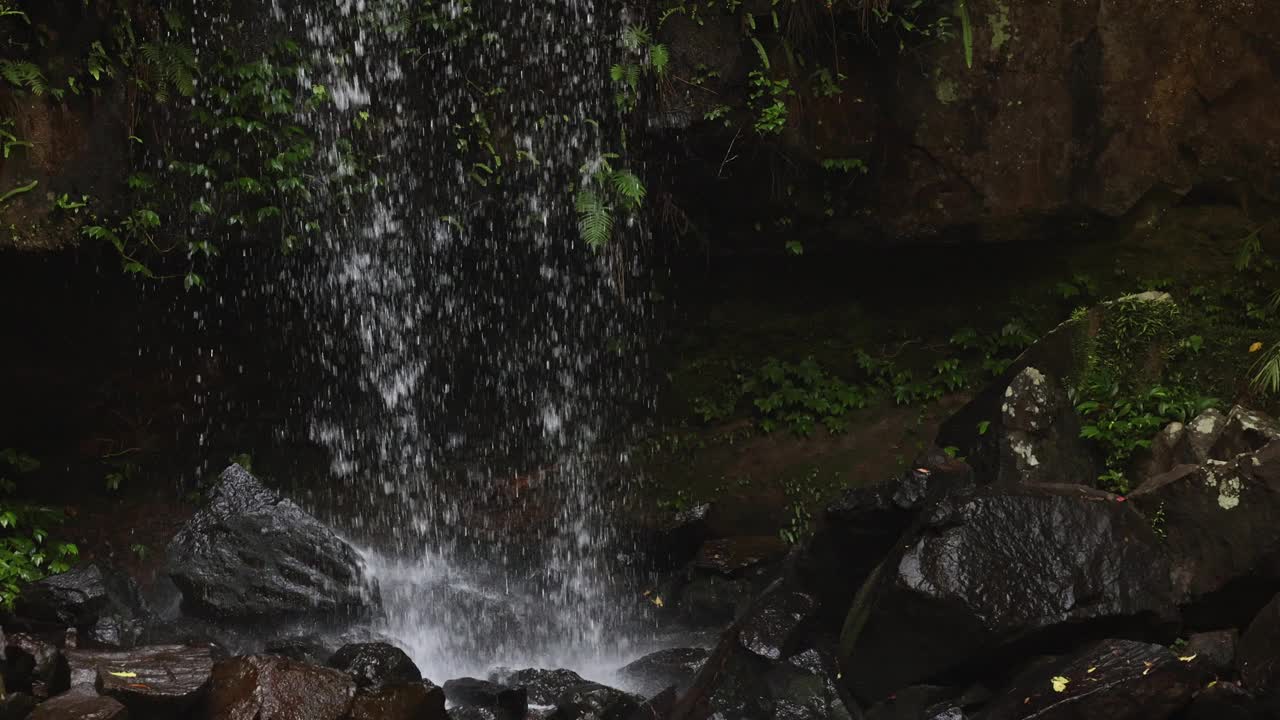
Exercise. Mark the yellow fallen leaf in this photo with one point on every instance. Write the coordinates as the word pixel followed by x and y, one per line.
pixel 124 674
pixel 1255 347
pixel 1188 658
pixel 1090 670
pixel 1059 683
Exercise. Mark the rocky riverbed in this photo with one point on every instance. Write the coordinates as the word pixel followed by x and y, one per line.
pixel 993 581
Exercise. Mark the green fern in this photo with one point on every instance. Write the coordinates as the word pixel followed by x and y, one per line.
pixel 174 66
pixel 25 76
pixel 966 29
pixel 659 58
pixel 764 56
pixel 634 38
pixel 595 218
pixel 628 188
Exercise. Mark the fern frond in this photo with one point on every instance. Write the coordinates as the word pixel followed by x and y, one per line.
pixel 659 58
pixel 764 55
pixel 628 188
pixel 24 75
pixel 595 219
pixel 634 38
pixel 1266 372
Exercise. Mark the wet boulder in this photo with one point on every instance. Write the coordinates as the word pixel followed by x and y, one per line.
pixel 375 664
pixel 1245 431
pixel 674 667
pixel 1216 650
pixel 1218 520
pixel 1039 434
pixel 250 554
pixel 1258 654
pixel 998 567
pixel 543 687
pixel 104 605
pixel 1113 679
pixel 407 701
pixel 267 687
pixel 1228 701
pixel 162 681
pixel 34 666
pixel 16 706
pixel 770 629
pixel 734 554
pixel 80 704
pixel 593 701
pixel 503 701
pixel 310 649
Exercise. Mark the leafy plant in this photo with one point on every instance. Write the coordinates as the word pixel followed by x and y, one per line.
pixel 26 553
pixel 605 191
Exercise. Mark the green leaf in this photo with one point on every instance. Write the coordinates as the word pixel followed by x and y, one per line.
pixel 595 219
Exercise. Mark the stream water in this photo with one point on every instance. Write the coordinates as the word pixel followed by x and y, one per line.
pixel 481 359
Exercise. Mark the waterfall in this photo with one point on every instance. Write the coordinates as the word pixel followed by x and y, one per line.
pixel 480 358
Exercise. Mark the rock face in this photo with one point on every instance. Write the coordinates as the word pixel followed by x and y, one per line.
pixel 1258 657
pixel 249 554
pixel 163 681
pixel 1113 679
pixel 265 687
pixel 503 701
pixel 104 606
pixel 375 665
pixel 995 568
pixel 543 687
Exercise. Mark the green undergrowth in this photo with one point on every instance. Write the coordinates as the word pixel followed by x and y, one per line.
pixel 26 551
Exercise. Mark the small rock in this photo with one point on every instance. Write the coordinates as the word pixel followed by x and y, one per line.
pixel 16 706
pixel 504 701
pixel 165 681
pixel 1039 435
pixel 412 701
pixel 308 649
pixel 1216 649
pixel 376 664
pixel 593 701
pixel 80 704
pixel 268 687
pixel 544 687
pixel 1201 435
pixel 103 605
pixel 731 555
pixel 657 671
pixel 1227 701
pixel 34 666
pixel 769 629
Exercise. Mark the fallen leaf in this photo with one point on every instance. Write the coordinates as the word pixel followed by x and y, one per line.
pixel 1188 658
pixel 1059 683
pixel 1255 347
pixel 124 674
pixel 1090 670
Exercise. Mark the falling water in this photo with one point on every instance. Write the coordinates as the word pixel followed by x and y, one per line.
pixel 480 358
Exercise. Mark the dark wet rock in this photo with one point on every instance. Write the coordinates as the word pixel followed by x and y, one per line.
pixel 375 664
pixel 746 514
pixel 1216 649
pixel 249 554
pixel 658 707
pixel 1113 679
pixel 1258 654
pixel 675 667
pixel 1165 452
pixel 34 666
pixel 1039 434
pixel 80 704
pixel 16 706
pixel 999 567
pixel 1218 520
pixel 1245 431
pixel 543 687
pixel 166 681
pixel 728 556
pixel 267 687
pixel 1227 701
pixel 675 541
pixel 593 701
pixel 504 701
pixel 103 605
pixel 410 701
pixel 471 713
pixel 769 631
pixel 708 598
pixel 310 649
